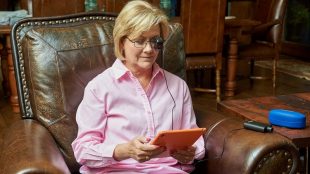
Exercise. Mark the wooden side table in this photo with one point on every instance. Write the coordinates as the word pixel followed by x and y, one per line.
pixel 6 30
pixel 234 28
pixel 257 109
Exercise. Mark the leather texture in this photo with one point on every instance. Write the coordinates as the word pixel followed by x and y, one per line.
pixel 55 57
pixel 238 150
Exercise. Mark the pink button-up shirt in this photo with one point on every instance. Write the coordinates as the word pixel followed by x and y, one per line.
pixel 115 109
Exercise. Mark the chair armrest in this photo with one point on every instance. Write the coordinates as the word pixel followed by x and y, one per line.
pixel 261 29
pixel 233 149
pixel 28 147
pixel 265 26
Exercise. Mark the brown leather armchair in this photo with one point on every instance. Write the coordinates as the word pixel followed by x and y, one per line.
pixel 54 59
pixel 266 37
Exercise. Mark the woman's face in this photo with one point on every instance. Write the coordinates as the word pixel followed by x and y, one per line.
pixel 138 52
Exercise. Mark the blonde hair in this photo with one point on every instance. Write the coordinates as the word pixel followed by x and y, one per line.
pixel 135 18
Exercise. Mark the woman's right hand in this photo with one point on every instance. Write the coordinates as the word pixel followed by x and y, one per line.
pixel 138 149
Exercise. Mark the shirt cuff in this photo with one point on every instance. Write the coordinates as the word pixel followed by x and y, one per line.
pixel 104 157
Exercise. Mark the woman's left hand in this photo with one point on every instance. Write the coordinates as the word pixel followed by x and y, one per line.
pixel 185 155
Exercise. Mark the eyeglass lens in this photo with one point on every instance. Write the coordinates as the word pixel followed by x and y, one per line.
pixel 155 42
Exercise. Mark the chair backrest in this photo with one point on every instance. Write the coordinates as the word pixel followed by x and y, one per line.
pixel 54 59
pixel 268 11
pixel 203 23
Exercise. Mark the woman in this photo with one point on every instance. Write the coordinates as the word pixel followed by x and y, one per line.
pixel 125 106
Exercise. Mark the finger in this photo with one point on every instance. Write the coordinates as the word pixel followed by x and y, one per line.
pixel 184 157
pixel 181 152
pixel 188 151
pixel 143 140
pixel 188 156
pixel 192 149
pixel 153 153
pixel 159 150
pixel 144 158
pixel 141 156
pixel 185 160
pixel 143 151
pixel 141 144
pixel 181 158
pixel 149 147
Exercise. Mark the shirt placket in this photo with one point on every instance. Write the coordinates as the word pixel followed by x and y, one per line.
pixel 147 108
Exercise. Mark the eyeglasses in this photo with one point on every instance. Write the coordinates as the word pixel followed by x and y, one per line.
pixel 155 42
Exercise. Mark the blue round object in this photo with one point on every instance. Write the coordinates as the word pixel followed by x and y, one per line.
pixel 287 118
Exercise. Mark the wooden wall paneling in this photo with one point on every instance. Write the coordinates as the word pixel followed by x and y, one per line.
pixel 101 5
pixel 114 6
pixel 26 5
pixel 55 8
pixel 155 2
pixel 119 4
pixel 6 5
pixel 185 19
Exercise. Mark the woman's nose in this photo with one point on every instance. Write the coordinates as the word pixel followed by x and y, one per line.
pixel 148 47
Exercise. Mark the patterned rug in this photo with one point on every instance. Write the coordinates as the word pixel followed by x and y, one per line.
pixel 293 67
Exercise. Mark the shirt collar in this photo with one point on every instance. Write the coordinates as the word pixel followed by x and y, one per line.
pixel 120 70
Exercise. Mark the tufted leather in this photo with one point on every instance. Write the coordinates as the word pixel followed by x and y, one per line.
pixel 238 150
pixel 55 57
pixel 56 61
pixel 57 76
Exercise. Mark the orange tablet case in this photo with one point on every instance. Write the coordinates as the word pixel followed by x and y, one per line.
pixel 178 139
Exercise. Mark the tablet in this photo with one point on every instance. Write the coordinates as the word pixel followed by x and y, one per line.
pixel 178 139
